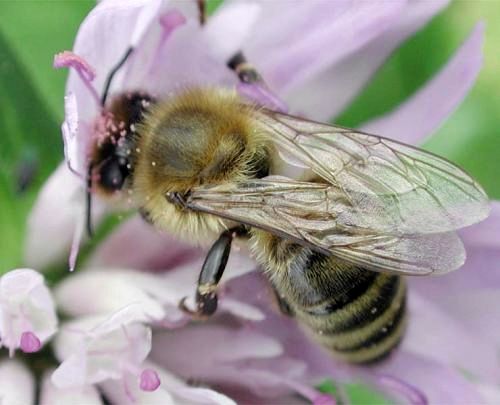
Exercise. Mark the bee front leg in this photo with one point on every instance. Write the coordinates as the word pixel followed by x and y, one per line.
pixel 210 275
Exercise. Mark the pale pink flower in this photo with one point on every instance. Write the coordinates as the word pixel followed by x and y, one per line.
pixel 111 352
pixel 17 384
pixel 316 56
pixel 27 312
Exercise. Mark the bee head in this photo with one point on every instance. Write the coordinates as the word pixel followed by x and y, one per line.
pixel 116 137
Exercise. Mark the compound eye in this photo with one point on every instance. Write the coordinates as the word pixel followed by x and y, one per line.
pixel 112 175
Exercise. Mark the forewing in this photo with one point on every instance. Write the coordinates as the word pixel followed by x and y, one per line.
pixel 318 216
pixel 423 192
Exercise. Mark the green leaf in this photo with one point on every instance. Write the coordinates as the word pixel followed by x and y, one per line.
pixel 36 31
pixel 31 107
pixel 29 134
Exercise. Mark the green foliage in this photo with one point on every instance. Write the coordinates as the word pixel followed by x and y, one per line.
pixel 31 32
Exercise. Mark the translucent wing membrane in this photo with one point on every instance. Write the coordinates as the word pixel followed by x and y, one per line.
pixel 425 192
pixel 378 203
pixel 317 215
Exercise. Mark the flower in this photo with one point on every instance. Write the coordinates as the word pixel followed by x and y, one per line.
pixel 27 312
pixel 317 69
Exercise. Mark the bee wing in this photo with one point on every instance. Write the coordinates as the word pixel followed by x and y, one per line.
pixel 425 193
pixel 319 216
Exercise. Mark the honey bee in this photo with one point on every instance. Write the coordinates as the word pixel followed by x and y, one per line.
pixel 335 240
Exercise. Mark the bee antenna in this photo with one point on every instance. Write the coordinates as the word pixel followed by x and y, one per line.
pixel 88 210
pixel 112 73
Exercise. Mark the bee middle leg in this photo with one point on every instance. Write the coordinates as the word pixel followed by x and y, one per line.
pixel 210 275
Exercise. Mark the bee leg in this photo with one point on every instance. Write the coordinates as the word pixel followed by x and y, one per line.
pixel 88 201
pixel 210 275
pixel 112 73
pixel 245 71
pixel 202 11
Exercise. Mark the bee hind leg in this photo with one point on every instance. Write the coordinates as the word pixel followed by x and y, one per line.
pixel 210 275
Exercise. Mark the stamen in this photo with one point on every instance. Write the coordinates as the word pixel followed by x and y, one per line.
pixel 86 72
pixel 413 394
pixel 30 342
pixel 149 380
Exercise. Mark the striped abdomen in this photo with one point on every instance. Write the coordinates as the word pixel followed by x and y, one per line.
pixel 358 314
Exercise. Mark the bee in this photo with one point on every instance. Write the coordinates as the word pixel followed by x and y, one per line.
pixel 336 236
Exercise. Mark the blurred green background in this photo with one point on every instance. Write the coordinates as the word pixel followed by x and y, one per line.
pixel 31 102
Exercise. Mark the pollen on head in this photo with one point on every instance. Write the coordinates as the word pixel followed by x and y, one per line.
pixel 153 163
pixel 138 150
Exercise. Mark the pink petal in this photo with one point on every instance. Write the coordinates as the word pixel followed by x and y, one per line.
pixel 481 270
pixel 17 384
pixel 329 92
pixel 191 342
pixel 294 44
pixel 104 36
pixel 136 244
pixel 476 311
pixel 421 374
pixel 254 360
pixel 485 234
pixel 451 340
pixel 231 27
pixel 423 113
pixel 164 67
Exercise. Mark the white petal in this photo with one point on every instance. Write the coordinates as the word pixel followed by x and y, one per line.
pixel 52 395
pixel 17 384
pixel 102 291
pixel 94 349
pixel 52 221
pixel 26 305
pixel 72 372
pixel 229 28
